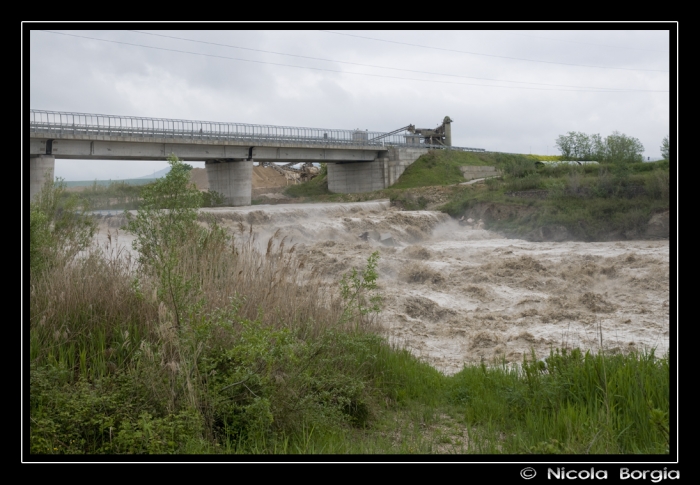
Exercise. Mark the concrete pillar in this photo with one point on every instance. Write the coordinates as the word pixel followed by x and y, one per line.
pixel 356 177
pixel 40 167
pixel 231 178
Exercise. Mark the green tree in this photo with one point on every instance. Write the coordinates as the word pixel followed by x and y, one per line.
pixel 565 144
pixel 620 148
pixel 664 148
pixel 597 148
pixel 576 145
pixel 166 228
pixel 616 147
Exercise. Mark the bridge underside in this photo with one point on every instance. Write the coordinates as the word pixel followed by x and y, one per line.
pixel 229 167
pixel 124 150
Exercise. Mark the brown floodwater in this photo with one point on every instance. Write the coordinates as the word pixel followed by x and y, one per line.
pixel 455 295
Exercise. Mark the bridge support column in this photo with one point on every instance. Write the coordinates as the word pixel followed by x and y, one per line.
pixel 355 177
pixel 231 178
pixel 40 167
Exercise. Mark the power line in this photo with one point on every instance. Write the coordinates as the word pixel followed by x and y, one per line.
pixel 489 55
pixel 384 67
pixel 327 70
pixel 588 43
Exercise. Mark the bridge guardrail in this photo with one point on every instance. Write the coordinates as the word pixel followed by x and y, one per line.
pixel 52 123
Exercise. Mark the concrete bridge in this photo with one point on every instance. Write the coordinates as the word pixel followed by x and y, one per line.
pixel 358 161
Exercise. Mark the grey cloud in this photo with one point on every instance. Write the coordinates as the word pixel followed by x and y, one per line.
pixel 74 74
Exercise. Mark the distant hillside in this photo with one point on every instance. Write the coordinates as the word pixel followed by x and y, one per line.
pixel 89 183
pixel 155 175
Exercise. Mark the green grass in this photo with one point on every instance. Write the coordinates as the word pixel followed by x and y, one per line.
pixel 441 167
pixel 593 203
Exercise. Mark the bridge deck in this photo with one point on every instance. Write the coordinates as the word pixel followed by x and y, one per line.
pixel 82 126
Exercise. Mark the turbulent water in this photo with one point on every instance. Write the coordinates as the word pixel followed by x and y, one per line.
pixel 456 295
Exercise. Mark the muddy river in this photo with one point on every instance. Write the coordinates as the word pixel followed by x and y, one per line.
pixel 455 294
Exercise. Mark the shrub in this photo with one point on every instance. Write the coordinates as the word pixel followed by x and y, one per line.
pixel 165 229
pixel 657 184
pixel 58 229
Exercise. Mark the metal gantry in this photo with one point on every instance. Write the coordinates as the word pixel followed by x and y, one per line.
pixel 59 124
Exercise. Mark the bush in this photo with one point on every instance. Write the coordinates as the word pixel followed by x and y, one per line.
pixel 519 167
pixel 112 415
pixel 657 185
pixel 58 229
pixel 408 201
pixel 529 182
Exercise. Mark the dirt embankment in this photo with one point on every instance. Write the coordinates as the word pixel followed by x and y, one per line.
pixel 267 182
pixel 198 176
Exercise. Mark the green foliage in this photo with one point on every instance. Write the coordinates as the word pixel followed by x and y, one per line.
pixel 572 402
pixel 492 184
pixel 658 184
pixel 58 228
pixel 39 238
pixel 265 382
pixel 165 227
pixel 211 198
pixel 358 289
pixel 580 146
pixel 408 201
pixel 615 148
pixel 518 167
pixel 437 167
pixel 516 184
pixel 665 148
pixel 620 148
pixel 112 415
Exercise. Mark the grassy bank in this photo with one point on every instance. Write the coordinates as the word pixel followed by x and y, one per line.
pixel 206 344
pixel 589 203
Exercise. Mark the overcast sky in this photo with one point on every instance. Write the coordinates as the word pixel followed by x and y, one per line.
pixel 508 90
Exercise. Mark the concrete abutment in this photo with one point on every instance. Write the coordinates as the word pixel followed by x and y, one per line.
pixel 231 178
pixel 356 177
pixel 40 167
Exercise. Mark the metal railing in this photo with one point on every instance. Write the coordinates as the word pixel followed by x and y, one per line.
pixel 56 123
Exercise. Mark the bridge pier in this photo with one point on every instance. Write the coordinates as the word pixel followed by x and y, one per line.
pixel 355 177
pixel 40 166
pixel 231 178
